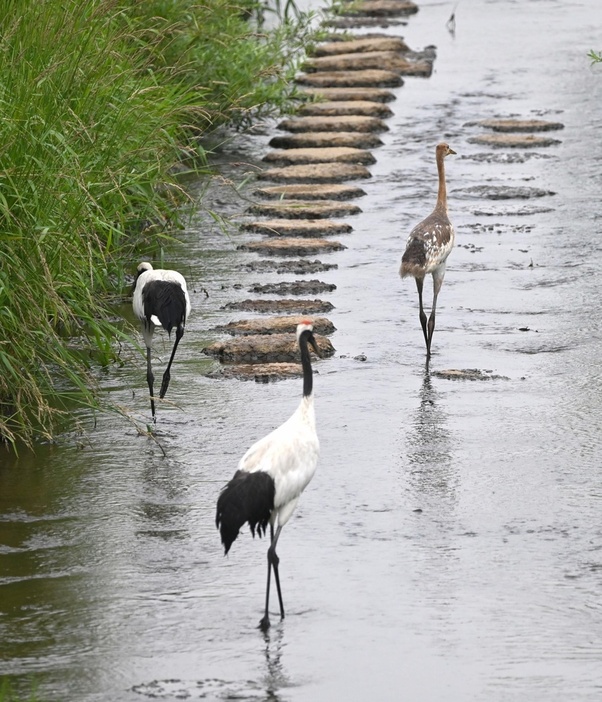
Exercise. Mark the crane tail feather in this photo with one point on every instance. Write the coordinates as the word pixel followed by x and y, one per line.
pixel 248 497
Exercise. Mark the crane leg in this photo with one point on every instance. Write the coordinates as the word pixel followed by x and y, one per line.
pixel 150 379
pixel 167 375
pixel 423 323
pixel 437 283
pixel 273 561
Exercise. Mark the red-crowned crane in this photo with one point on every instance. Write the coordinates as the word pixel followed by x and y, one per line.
pixel 428 247
pixel 272 475
pixel 160 300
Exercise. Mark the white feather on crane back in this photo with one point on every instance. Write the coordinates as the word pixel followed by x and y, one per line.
pixel 289 454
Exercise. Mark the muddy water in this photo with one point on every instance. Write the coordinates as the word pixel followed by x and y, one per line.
pixel 450 545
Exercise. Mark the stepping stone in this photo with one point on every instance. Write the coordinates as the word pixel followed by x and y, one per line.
pixel 349 123
pixel 259 372
pixel 300 267
pixel 316 173
pixel 263 348
pixel 304 307
pixel 380 8
pixel 333 154
pixel 518 125
pixel 351 79
pixel 320 140
pixel 303 209
pixel 349 94
pixel 367 44
pixel 297 287
pixel 502 192
pixel 384 60
pixel 293 247
pixel 522 141
pixel 310 192
pixel 337 108
pixel 467 374
pixel 304 228
pixel 361 22
pixel 275 325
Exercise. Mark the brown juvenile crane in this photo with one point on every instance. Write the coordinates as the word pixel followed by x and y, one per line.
pixel 428 247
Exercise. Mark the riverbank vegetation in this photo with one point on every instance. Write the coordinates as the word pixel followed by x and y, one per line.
pixel 99 99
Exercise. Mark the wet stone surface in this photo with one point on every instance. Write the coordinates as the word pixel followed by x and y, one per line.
pixel 262 348
pixel 522 141
pixel 297 228
pixel 292 246
pixel 373 78
pixel 350 94
pixel 259 372
pixel 281 306
pixel 275 325
pixel 382 60
pixel 309 191
pixel 501 157
pixel 467 374
pixel 297 287
pixel 518 125
pixel 299 267
pixel 316 173
pixel 501 192
pixel 523 210
pixel 361 44
pixel 379 8
pixel 337 108
pixel 349 123
pixel 319 140
pixel 302 209
pixel 333 154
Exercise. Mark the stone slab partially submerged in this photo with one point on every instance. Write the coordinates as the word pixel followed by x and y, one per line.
pixel 304 209
pixel 380 8
pixel 332 154
pixel 259 372
pixel 522 141
pixel 309 191
pixel 361 44
pixel 361 94
pixel 316 173
pixel 301 228
pixel 518 125
pixel 349 123
pixel 304 307
pixel 262 348
pixel 296 287
pixel 467 374
pixel 320 140
pixel 338 108
pixel 382 60
pixel 299 267
pixel 502 192
pixel 373 78
pixel 293 247
pixel 275 325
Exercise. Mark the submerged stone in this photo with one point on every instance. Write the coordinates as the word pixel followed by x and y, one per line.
pixel 349 123
pixel 305 209
pixel 301 228
pixel 518 125
pixel 316 173
pixel 300 267
pixel 467 374
pixel 362 94
pixel 337 108
pixel 304 307
pixel 259 372
pixel 348 79
pixel 292 246
pixel 320 140
pixel 263 348
pixel 275 325
pixel 297 287
pixel 331 154
pixel 318 191
pixel 523 141
pixel 502 192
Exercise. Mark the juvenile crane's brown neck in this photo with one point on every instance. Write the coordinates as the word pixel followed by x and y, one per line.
pixel 442 193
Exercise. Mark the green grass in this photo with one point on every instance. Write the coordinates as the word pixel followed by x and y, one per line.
pixel 98 100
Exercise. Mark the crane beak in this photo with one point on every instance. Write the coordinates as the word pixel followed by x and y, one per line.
pixel 314 344
pixel 451 152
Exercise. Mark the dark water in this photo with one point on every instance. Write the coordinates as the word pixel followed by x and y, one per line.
pixel 450 545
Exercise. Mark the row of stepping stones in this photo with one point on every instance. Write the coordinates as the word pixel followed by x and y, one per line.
pixel 309 182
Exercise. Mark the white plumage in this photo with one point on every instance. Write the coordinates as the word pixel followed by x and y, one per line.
pixel 273 473
pixel 160 300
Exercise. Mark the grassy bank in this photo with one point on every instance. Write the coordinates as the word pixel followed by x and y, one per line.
pixel 98 100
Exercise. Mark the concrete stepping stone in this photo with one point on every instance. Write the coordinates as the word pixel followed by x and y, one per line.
pixel 380 8
pixel 275 325
pixel 305 209
pixel 297 287
pixel 502 192
pixel 300 267
pixel 306 228
pixel 339 108
pixel 316 173
pixel 259 372
pixel 518 125
pixel 348 123
pixel 327 191
pixel 263 348
pixel 332 154
pixel 321 140
pixel 304 307
pixel 293 246
pixel 520 141
pixel 361 44
pixel 373 78
pixel 384 60
pixel 467 374
pixel 365 94
pixel 350 22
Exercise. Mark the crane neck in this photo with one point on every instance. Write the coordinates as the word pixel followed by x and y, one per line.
pixel 308 377
pixel 442 193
